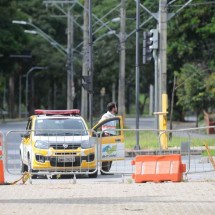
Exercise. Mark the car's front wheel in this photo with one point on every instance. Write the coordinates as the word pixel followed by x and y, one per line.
pixel 23 167
pixel 94 174
pixel 30 170
pixel 106 166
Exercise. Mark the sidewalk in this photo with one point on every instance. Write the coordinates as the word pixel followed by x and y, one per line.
pixel 109 198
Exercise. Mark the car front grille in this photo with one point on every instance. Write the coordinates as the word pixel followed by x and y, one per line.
pixel 62 146
pixel 55 163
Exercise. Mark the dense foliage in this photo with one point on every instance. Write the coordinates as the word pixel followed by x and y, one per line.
pixel 191 51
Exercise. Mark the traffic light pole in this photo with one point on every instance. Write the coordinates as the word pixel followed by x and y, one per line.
pixel 137 146
pixel 160 57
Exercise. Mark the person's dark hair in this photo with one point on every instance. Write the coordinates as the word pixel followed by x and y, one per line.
pixel 110 106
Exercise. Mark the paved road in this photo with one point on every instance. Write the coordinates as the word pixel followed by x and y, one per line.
pixel 144 123
pixel 109 199
pixel 149 123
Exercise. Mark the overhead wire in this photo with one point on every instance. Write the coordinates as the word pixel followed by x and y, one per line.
pixel 194 4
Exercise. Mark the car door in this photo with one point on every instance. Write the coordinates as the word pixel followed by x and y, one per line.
pixel 111 146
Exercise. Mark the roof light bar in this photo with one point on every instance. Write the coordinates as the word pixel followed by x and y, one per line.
pixel 57 112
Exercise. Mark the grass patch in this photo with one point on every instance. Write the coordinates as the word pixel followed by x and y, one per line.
pixel 150 140
pixel 212 152
pixel 146 139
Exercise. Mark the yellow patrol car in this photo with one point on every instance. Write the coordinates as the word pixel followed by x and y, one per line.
pixel 59 141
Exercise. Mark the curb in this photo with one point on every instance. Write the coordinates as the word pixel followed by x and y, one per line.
pixel 133 153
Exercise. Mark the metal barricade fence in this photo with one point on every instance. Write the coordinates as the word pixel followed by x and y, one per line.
pixel 58 152
pixel 117 151
pixel 114 153
pixel 189 143
pixel 192 144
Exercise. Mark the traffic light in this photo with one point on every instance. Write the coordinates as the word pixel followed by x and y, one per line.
pixel 154 38
pixel 87 85
pixel 147 52
pixel 150 42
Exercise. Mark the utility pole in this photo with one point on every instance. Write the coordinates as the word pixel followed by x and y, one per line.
pixel 84 94
pixel 162 66
pixel 70 40
pixel 122 38
pixel 70 72
pixel 162 25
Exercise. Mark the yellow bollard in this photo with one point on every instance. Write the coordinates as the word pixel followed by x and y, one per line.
pixel 162 127
pixel 163 122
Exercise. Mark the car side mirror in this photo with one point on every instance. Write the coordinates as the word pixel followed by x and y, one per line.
pixel 25 135
pixel 93 134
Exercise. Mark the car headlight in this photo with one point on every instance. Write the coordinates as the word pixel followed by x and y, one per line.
pixel 41 144
pixel 86 144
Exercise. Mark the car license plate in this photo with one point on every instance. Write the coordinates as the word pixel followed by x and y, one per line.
pixel 66 159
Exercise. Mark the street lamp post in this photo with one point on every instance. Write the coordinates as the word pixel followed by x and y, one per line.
pixel 104 35
pixel 26 86
pixel 66 52
pixel 42 34
pixel 20 95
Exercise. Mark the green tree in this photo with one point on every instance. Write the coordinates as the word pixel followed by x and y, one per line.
pixel 192 92
pixel 210 91
pixel 191 41
pixel 12 42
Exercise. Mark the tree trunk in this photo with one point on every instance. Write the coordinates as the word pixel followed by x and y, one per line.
pixel 142 105
pixel 197 119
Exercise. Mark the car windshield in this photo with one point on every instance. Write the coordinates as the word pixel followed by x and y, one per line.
pixel 60 127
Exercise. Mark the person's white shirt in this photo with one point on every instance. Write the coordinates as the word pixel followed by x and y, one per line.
pixel 107 116
pixel 109 127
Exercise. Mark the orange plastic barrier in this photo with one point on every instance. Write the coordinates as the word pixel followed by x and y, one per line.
pixel 1 163
pixel 158 168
